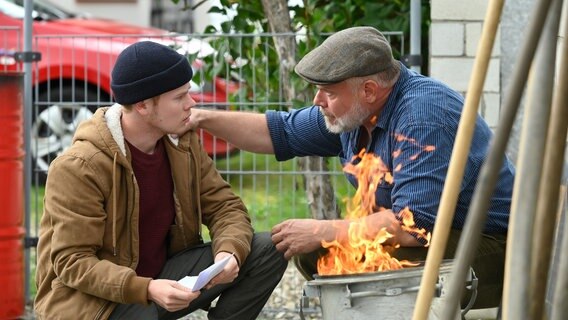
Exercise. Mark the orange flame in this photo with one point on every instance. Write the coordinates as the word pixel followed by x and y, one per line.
pixel 365 249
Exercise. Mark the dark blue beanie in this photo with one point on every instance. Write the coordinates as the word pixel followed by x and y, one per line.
pixel 147 69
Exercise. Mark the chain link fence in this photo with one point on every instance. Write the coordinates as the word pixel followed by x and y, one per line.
pixel 72 80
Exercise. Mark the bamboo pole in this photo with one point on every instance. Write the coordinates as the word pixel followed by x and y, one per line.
pixel 560 115
pixel 547 199
pixel 516 293
pixel 560 298
pixel 456 167
pixel 529 173
pixel 488 176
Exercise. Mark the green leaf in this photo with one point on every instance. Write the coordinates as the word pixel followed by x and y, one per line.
pixel 317 18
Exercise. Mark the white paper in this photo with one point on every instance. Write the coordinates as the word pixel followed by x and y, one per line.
pixel 196 283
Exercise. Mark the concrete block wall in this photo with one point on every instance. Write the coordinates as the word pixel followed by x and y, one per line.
pixel 454 37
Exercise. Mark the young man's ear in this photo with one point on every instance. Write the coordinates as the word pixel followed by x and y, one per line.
pixel 141 107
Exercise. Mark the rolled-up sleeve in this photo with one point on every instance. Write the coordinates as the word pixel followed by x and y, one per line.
pixel 301 132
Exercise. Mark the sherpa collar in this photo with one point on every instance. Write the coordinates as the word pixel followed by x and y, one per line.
pixel 112 117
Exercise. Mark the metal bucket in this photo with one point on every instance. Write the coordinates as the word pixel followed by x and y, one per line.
pixel 388 295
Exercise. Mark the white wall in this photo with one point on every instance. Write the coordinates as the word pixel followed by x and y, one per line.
pixel 454 36
pixel 137 13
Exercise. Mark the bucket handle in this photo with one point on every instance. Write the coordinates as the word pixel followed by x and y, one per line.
pixel 393 291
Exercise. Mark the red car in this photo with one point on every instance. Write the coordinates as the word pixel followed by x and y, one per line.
pixel 72 78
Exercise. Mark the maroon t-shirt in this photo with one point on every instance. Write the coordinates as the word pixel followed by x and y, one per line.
pixel 157 211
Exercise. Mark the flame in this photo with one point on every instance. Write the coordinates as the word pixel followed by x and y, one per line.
pixel 365 249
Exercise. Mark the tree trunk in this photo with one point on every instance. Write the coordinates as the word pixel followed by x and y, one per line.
pixel 319 191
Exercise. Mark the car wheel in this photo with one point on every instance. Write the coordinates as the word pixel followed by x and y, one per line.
pixel 59 112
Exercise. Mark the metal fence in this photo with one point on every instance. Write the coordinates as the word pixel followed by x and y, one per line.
pixel 73 79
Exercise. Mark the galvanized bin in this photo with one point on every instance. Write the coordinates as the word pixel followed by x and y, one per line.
pixel 388 295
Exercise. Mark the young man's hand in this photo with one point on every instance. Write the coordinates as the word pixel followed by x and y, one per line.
pixel 170 295
pixel 229 273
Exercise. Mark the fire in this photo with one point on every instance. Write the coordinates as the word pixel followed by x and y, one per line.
pixel 365 249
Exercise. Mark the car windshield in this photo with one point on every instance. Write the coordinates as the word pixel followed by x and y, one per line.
pixel 42 10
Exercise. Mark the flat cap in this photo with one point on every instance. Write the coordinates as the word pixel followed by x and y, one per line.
pixel 353 52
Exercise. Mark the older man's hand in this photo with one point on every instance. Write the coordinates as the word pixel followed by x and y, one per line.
pixel 297 236
pixel 194 118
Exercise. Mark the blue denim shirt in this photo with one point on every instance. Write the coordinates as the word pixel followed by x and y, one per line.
pixel 427 113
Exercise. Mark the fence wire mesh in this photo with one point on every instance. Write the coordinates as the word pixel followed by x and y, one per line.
pixel 72 80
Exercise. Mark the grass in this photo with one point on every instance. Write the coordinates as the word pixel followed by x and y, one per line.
pixel 273 191
pixel 36 208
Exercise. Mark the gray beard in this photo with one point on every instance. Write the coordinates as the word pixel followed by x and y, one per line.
pixel 350 121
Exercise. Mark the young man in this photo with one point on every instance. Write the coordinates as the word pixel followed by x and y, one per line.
pixel 367 100
pixel 125 203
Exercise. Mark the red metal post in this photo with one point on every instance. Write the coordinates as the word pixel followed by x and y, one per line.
pixel 11 196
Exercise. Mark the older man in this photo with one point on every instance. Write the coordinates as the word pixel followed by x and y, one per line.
pixel 367 100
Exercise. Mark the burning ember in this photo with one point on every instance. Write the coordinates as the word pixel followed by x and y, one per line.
pixel 364 250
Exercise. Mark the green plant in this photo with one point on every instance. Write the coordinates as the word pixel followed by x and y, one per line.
pixel 311 22
pixel 273 191
pixel 36 209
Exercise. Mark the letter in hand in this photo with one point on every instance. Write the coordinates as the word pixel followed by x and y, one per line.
pixel 229 272
pixel 225 270
pixel 170 295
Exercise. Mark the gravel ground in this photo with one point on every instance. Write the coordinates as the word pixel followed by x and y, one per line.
pixel 284 303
